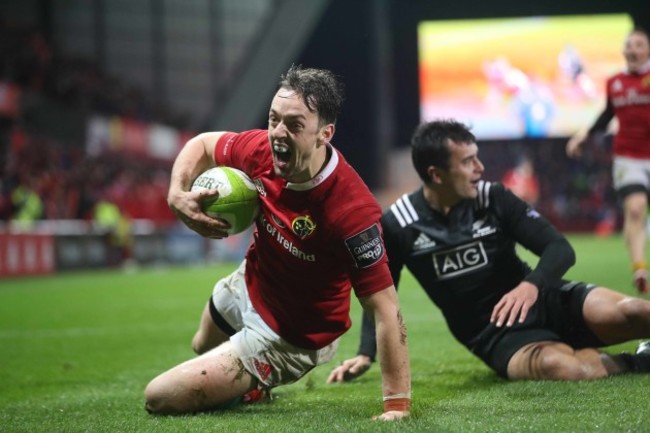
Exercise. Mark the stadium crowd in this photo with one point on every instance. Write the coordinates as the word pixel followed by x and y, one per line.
pixel 44 177
pixel 35 166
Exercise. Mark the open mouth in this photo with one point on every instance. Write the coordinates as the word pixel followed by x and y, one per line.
pixel 282 152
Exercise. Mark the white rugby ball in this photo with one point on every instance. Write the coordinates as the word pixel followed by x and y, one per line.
pixel 238 203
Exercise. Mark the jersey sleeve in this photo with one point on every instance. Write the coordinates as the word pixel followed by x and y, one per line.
pixel 368 338
pixel 369 274
pixel 240 150
pixel 600 124
pixel 357 238
pixel 534 232
pixel 366 253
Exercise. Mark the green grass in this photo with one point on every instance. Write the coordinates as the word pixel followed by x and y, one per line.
pixel 77 350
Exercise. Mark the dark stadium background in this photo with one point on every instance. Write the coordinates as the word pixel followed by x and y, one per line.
pixel 87 84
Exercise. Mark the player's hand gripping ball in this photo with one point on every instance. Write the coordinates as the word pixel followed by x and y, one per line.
pixel 238 203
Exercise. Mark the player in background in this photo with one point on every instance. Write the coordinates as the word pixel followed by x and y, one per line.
pixel 318 236
pixel 628 98
pixel 457 235
pixel 522 181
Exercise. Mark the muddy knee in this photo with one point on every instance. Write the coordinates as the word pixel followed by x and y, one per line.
pixel 156 398
pixel 160 398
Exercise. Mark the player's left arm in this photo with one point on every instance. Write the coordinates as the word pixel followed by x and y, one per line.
pixel 354 367
pixel 392 352
pixel 535 233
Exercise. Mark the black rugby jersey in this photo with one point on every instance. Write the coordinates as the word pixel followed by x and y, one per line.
pixel 466 260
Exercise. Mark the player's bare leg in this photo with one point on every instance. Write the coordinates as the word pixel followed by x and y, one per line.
pixel 552 360
pixel 208 336
pixel 635 208
pixel 200 384
pixel 614 318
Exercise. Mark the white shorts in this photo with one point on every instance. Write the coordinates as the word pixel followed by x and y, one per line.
pixel 630 171
pixel 265 355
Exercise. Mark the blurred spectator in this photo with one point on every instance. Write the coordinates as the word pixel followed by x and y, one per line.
pixel 27 205
pixel 521 180
pixel 116 228
pixel 66 182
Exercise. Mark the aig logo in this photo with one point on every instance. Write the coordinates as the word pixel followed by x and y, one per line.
pixel 459 260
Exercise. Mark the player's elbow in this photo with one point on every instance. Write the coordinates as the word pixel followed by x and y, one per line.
pixel 570 253
pixel 564 252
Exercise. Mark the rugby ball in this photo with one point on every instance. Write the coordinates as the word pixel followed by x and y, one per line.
pixel 238 203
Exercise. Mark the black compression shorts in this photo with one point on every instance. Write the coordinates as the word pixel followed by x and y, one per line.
pixel 556 316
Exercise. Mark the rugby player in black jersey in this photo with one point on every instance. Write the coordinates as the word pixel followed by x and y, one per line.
pixel 457 236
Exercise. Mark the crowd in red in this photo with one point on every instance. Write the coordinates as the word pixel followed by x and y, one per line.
pixel 68 183
pixel 47 178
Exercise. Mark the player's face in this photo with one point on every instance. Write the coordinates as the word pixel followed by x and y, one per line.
pixel 464 172
pixel 298 142
pixel 636 51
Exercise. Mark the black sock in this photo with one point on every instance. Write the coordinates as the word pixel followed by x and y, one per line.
pixel 639 363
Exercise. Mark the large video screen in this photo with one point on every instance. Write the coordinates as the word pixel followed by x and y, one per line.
pixel 519 77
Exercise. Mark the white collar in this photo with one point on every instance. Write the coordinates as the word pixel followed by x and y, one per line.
pixel 321 176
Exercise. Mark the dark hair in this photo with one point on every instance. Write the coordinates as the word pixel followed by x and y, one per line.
pixel 321 91
pixel 430 144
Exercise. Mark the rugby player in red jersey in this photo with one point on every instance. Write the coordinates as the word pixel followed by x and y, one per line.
pixel 628 98
pixel 318 237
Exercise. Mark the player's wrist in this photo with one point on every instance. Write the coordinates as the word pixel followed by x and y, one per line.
pixel 398 402
pixel 367 357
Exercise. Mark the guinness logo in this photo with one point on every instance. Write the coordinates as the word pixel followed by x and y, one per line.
pixel 303 226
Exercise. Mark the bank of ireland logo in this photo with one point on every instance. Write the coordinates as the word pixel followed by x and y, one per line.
pixel 460 260
pixel 303 226
pixel 278 221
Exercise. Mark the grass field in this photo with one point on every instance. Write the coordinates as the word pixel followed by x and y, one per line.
pixel 78 349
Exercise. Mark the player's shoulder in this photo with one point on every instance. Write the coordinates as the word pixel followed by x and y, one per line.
pixel 348 187
pixel 346 198
pixel 244 142
pixel 488 193
pixel 493 197
pixel 257 136
pixel 249 151
pixel 405 210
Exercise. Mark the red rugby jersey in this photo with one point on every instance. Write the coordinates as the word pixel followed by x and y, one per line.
pixel 629 95
pixel 313 242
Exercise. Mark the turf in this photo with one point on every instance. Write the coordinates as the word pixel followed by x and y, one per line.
pixel 78 349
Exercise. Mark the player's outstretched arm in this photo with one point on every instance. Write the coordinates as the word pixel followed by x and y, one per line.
pixel 575 144
pixel 393 353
